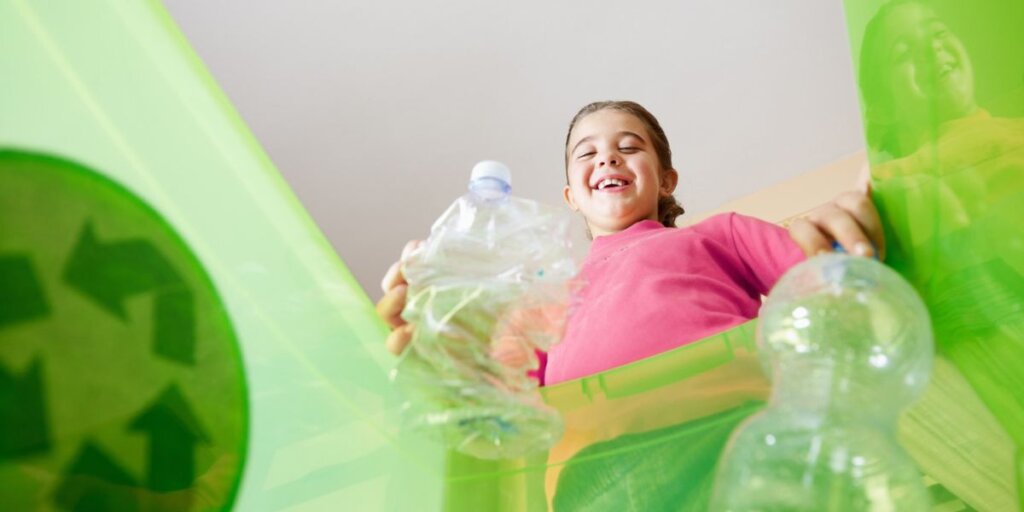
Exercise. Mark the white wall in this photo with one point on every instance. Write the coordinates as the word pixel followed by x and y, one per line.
pixel 376 111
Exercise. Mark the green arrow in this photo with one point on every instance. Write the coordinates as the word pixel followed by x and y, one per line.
pixel 24 429
pixel 173 433
pixel 94 482
pixel 174 327
pixel 108 273
pixel 21 297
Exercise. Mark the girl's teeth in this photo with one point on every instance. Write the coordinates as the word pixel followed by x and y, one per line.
pixel 608 183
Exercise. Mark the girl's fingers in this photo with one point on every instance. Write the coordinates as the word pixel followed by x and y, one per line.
pixel 393 302
pixel 840 225
pixel 511 352
pixel 851 220
pixel 399 339
pixel 859 206
pixel 807 236
pixel 391 305
pixel 394 276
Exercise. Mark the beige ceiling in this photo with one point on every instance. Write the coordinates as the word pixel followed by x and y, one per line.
pixel 376 111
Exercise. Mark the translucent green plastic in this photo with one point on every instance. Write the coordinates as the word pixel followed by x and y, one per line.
pixel 942 90
pixel 175 334
pixel 279 398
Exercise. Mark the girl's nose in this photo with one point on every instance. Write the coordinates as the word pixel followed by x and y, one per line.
pixel 610 159
pixel 940 50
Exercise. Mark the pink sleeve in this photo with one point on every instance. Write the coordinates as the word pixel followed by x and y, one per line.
pixel 765 248
pixel 542 364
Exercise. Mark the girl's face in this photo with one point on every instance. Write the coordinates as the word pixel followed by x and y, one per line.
pixel 615 179
pixel 930 73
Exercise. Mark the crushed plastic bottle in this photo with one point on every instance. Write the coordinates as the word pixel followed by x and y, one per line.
pixel 494 275
pixel 849 345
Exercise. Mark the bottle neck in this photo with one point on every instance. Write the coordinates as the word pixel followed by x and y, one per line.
pixel 489 190
pixel 806 387
pixel 813 385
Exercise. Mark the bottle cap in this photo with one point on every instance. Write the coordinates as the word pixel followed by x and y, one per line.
pixel 492 169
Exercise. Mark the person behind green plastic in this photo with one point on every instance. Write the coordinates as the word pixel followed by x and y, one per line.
pixel 940 160
pixel 949 182
pixel 915 76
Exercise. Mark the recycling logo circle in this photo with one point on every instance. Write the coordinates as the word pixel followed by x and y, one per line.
pixel 121 380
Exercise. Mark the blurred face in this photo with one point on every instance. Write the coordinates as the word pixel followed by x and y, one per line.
pixel 615 179
pixel 930 75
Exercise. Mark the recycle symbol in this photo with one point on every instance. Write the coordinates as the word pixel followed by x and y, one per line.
pixel 121 380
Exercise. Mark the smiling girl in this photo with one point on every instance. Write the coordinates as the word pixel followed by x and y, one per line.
pixel 647 285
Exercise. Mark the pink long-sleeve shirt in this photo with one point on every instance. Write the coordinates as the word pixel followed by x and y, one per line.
pixel 649 289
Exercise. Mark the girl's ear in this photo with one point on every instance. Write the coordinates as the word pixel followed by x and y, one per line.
pixel 669 180
pixel 567 195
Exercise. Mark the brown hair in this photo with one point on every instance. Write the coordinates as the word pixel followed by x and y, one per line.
pixel 668 207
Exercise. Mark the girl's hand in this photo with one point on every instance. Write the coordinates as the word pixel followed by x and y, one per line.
pixel 392 303
pixel 512 351
pixel 850 219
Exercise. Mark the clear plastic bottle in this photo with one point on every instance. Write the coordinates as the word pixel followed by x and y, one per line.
pixel 494 274
pixel 849 345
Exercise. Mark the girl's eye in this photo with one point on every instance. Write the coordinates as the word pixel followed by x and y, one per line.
pixel 584 155
pixel 629 149
pixel 939 29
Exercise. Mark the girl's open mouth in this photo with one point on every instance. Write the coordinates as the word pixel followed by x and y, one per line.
pixel 612 183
